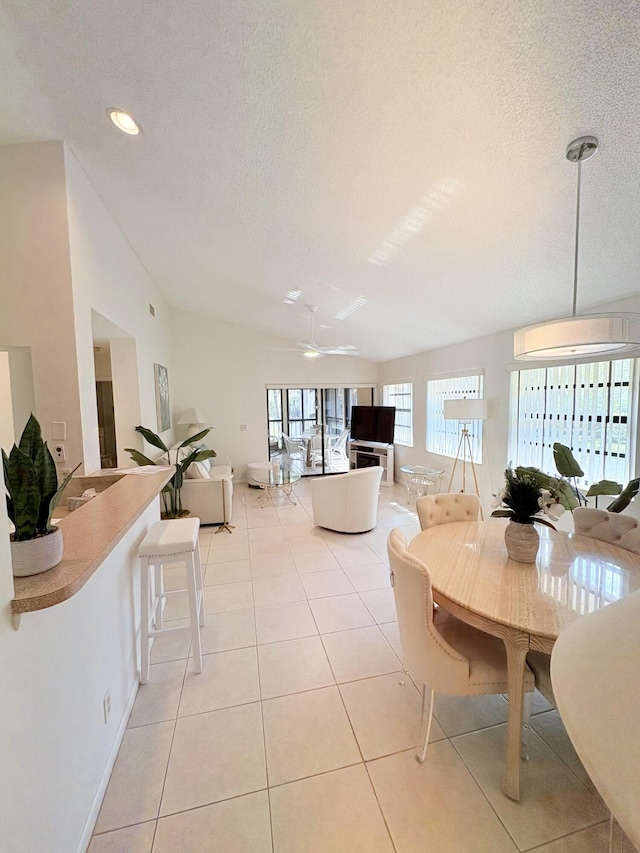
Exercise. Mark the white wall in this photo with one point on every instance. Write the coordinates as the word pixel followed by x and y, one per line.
pixel 109 279
pixel 223 370
pixel 7 433
pixel 36 308
pixel 56 669
pixel 63 256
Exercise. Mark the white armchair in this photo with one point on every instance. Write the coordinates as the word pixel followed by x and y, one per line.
pixel 203 496
pixel 348 502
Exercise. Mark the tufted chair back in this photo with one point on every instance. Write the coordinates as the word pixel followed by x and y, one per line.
pixel 620 530
pixel 440 509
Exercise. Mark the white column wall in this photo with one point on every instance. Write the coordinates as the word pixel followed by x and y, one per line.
pixel 35 285
pixel 109 278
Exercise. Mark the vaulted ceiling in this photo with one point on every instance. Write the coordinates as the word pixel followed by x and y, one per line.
pixel 405 158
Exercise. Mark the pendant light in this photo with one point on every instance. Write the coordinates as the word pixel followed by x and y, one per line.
pixel 586 334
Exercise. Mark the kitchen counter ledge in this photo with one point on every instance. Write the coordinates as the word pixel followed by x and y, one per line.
pixel 90 534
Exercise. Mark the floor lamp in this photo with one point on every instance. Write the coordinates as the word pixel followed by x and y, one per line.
pixel 464 411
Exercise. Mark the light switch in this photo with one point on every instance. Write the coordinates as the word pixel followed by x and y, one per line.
pixel 59 430
pixel 243 427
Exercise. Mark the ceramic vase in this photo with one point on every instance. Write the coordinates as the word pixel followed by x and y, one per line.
pixel 34 556
pixel 522 541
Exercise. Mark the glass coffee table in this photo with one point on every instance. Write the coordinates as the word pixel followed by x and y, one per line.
pixel 278 480
pixel 418 478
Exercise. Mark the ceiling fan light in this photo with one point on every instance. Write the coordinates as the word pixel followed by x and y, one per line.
pixel 311 353
pixel 572 337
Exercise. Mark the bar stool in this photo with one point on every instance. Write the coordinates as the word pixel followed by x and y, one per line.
pixel 169 542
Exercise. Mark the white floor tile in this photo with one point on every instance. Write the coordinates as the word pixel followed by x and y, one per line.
pixel 233 629
pixel 278 590
pixel 227 678
pixel 436 806
pixel 373 576
pixel 315 561
pixel 385 715
pixel 241 825
pixel 293 666
pixel 134 790
pixel 284 622
pixel 215 756
pixel 228 596
pixel 132 839
pixel 231 572
pixel 381 604
pixel 306 734
pixel 360 653
pixel 340 613
pixel 322 584
pixel 158 700
pixel 556 802
pixel 333 812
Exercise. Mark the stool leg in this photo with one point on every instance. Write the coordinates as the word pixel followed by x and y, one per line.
pixel 194 611
pixel 159 592
pixel 198 568
pixel 145 590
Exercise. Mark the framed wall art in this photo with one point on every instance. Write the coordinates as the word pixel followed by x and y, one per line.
pixel 163 409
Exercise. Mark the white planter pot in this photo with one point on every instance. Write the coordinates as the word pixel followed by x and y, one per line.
pixel 37 555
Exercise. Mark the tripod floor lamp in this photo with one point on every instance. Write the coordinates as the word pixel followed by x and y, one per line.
pixel 464 411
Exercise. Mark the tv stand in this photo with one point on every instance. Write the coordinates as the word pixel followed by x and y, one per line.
pixel 364 454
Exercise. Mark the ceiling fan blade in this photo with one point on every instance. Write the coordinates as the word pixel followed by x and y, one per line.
pixel 338 350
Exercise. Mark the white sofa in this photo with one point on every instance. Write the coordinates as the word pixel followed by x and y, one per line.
pixel 348 502
pixel 202 488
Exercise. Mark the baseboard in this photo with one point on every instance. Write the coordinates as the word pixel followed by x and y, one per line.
pixel 87 832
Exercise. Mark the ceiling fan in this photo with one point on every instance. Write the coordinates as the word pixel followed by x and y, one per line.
pixel 311 349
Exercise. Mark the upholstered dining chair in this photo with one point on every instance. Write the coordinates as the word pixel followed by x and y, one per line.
pixel 620 530
pixel 445 654
pixel 440 509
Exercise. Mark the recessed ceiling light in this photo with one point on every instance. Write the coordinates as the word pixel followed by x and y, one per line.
pixel 124 122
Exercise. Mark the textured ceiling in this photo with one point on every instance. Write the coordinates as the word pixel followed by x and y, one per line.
pixel 411 153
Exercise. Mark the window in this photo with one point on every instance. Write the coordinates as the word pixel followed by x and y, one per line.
pixel 401 396
pixel 274 417
pixel 301 410
pixel 443 436
pixel 588 407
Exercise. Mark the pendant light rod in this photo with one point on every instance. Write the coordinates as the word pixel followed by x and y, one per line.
pixel 580 149
pixel 575 254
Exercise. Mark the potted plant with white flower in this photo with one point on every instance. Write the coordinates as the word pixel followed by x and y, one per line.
pixel 525 504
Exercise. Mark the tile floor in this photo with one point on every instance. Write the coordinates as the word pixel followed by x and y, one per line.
pixel 297 736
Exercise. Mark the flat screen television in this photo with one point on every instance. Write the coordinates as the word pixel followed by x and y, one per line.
pixel 373 423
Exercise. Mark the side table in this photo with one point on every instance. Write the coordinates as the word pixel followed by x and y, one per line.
pixel 419 478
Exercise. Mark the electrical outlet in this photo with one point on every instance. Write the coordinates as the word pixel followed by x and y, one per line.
pixel 64 472
pixel 58 452
pixel 106 704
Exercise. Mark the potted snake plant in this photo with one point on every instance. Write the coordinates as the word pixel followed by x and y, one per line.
pixel 33 493
pixel 171 494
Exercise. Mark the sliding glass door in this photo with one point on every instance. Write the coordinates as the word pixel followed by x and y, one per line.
pixel 308 428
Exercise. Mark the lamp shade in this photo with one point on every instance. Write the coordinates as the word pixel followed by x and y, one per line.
pixel 575 336
pixel 193 416
pixel 465 409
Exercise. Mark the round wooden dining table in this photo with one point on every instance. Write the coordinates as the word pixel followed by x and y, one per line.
pixel 527 605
